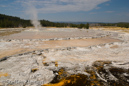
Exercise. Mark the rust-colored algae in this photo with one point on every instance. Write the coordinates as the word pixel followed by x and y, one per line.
pixel 56 64
pixel 73 80
pixel 76 80
pixel 4 74
pixel 93 79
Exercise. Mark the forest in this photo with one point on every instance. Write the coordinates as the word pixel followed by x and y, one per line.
pixel 13 22
pixel 9 21
pixel 120 24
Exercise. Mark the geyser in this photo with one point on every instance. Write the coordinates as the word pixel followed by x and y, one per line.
pixel 32 11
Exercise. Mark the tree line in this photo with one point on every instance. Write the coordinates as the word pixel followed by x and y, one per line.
pixel 12 22
pixel 120 24
pixel 9 21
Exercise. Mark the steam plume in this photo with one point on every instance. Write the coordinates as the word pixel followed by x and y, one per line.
pixel 32 12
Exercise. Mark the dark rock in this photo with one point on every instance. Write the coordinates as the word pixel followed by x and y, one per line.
pixel 34 70
pixel 3 59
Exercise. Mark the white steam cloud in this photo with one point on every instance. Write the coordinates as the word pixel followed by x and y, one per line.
pixel 32 12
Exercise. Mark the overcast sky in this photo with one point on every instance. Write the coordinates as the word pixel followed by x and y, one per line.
pixel 69 10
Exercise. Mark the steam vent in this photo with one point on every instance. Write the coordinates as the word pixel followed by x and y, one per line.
pixel 64 57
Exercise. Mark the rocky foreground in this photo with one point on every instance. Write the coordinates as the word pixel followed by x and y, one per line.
pixel 99 65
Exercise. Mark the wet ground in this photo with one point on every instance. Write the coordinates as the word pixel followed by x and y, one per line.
pixel 47 33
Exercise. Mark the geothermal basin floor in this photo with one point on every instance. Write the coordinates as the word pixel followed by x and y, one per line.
pixel 98 58
pixel 47 33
